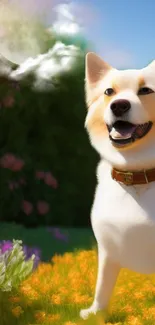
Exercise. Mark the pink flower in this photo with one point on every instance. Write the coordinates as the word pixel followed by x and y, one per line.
pixel 7 160
pixel 27 207
pixel 40 174
pixel 11 162
pixel 42 207
pixel 8 101
pixel 50 180
pixel 18 165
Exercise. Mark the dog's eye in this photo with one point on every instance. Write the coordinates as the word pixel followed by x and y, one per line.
pixel 109 92
pixel 145 91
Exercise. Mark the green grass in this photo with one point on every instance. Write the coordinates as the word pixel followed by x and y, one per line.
pixel 77 239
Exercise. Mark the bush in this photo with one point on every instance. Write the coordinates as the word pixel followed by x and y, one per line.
pixel 13 267
pixel 24 252
pixel 47 166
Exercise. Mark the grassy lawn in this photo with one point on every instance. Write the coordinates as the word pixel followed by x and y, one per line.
pixel 58 289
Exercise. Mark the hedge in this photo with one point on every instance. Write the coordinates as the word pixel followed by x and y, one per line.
pixel 47 166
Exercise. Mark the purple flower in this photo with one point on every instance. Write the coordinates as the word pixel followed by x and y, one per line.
pixel 5 245
pixel 29 251
pixel 58 234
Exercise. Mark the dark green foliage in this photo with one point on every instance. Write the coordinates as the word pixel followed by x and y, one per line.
pixel 42 129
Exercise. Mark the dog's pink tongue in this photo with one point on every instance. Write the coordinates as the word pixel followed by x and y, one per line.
pixel 122 133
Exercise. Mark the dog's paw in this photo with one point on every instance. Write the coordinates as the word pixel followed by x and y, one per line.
pixel 84 313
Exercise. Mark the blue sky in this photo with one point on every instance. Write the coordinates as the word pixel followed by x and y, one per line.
pixel 123 31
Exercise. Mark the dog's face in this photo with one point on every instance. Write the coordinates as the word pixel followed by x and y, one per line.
pixel 121 108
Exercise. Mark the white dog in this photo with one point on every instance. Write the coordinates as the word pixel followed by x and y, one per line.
pixel 121 126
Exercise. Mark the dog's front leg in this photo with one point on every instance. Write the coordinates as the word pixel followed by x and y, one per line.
pixel 107 275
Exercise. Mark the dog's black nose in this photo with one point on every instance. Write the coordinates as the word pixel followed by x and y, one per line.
pixel 120 107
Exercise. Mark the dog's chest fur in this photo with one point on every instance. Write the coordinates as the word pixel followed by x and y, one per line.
pixel 123 221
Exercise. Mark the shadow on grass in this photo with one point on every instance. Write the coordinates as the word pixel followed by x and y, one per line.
pixel 116 318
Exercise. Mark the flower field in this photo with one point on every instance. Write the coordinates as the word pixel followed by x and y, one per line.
pixel 55 292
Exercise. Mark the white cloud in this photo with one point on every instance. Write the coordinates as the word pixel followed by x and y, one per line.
pixel 56 61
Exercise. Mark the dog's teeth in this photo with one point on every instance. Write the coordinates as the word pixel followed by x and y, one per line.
pixel 116 135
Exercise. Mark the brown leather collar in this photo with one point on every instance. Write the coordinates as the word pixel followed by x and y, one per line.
pixel 134 178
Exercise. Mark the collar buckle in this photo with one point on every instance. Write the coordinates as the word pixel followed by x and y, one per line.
pixel 127 177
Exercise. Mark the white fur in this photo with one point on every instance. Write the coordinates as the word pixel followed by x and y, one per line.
pixel 123 221
pixel 123 217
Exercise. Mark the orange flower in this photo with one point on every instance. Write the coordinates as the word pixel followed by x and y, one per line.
pixel 56 299
pixel 14 299
pixel 138 295
pixel 128 309
pixel 40 316
pixel 149 313
pixel 151 310
pixel 134 320
pixel 79 299
pixel 70 323
pixel 52 318
pixel 17 311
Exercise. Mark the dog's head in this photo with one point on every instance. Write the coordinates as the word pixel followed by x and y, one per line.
pixel 121 111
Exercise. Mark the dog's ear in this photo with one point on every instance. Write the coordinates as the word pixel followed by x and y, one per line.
pixel 95 68
pixel 152 64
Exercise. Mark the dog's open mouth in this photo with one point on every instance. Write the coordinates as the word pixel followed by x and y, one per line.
pixel 122 133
